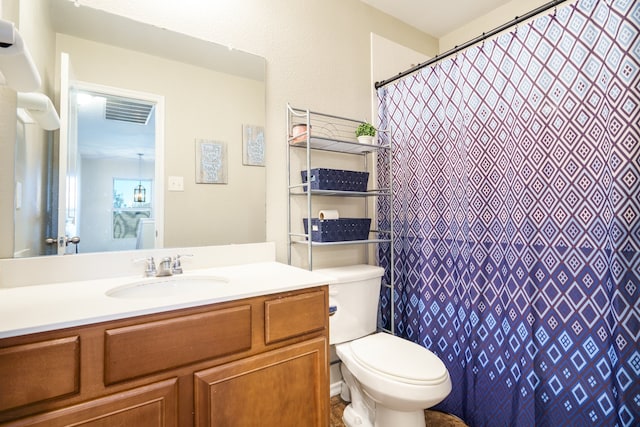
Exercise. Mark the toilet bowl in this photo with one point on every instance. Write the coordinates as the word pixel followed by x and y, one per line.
pixel 388 380
pixel 400 378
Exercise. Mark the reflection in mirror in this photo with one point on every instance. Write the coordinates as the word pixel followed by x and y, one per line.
pixel 209 92
pixel 116 183
pixel 30 200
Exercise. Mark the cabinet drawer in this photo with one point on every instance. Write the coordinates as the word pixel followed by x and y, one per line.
pixel 142 349
pixel 39 371
pixel 289 317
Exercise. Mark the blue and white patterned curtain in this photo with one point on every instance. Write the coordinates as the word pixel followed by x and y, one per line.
pixel 516 175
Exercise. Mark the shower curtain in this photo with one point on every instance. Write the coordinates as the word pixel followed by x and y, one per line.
pixel 516 212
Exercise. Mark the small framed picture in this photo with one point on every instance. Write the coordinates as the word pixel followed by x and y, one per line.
pixel 253 145
pixel 211 162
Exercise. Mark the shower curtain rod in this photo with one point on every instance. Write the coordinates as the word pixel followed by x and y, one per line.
pixel 484 36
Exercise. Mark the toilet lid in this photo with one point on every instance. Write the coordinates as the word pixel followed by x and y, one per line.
pixel 396 357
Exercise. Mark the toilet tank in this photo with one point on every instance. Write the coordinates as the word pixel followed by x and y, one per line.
pixel 354 291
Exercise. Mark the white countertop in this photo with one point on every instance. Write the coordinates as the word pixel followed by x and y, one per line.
pixel 38 308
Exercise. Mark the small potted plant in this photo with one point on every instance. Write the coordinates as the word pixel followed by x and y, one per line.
pixel 365 133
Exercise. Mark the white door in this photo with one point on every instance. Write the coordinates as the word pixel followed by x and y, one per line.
pixel 68 161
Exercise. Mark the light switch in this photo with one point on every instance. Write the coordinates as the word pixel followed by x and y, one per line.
pixel 176 183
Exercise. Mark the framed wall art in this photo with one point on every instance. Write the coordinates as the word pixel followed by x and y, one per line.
pixel 253 149
pixel 211 162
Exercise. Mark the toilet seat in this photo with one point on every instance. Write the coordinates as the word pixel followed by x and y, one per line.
pixel 399 359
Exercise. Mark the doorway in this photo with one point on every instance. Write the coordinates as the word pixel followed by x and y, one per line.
pixel 114 172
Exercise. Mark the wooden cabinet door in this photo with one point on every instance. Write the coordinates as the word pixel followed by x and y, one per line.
pixel 154 405
pixel 280 388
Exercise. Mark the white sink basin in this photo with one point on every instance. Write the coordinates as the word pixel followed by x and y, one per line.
pixel 166 286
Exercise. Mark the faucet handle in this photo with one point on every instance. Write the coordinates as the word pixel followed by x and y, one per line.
pixel 176 267
pixel 150 266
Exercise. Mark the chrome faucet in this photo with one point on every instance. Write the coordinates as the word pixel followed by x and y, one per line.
pixel 167 267
pixel 164 268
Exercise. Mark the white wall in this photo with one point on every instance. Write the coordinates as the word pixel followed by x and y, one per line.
pixel 8 120
pixel 30 219
pixel 30 214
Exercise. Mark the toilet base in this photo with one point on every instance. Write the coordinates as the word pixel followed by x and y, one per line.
pixel 386 417
pixel 360 411
pixel 364 412
pixel 353 418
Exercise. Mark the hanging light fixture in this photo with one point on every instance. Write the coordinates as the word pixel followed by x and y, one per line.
pixel 139 193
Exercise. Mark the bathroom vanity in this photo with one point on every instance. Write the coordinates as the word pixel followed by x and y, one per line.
pixel 204 360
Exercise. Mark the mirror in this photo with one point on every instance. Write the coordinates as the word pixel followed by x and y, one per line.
pixel 210 93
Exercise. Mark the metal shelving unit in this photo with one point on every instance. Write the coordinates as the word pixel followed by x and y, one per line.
pixel 332 134
pixel 335 134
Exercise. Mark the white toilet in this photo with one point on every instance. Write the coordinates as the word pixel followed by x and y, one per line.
pixel 390 381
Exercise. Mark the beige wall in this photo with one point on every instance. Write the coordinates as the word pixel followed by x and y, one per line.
pixel 488 22
pixel 388 59
pixel 318 57
pixel 36 31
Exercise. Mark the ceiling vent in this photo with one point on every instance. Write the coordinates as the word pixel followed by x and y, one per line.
pixel 126 110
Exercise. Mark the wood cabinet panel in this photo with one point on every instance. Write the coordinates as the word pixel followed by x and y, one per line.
pixel 295 315
pixel 51 368
pixel 137 350
pixel 154 405
pixel 257 361
pixel 284 387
